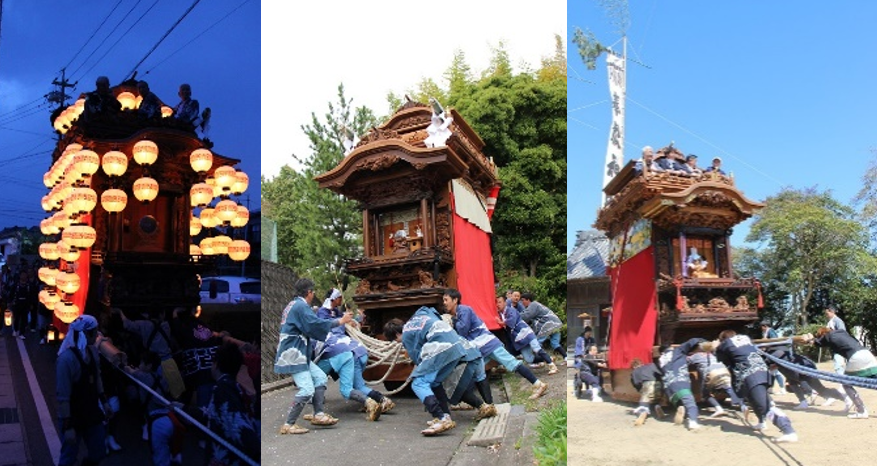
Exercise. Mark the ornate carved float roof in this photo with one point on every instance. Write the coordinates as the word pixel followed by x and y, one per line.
pixel 670 201
pixel 394 157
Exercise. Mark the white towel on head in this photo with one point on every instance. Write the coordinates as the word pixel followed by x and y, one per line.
pixel 80 325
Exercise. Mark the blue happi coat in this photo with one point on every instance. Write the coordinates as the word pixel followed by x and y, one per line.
pixel 521 333
pixel 299 323
pixel 432 344
pixel 469 326
pixel 541 319
pixel 674 365
pixel 747 366
pixel 337 341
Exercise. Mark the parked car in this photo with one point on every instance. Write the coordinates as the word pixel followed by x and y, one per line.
pixel 230 290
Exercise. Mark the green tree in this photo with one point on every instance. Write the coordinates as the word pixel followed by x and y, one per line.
pixel 317 229
pixel 812 245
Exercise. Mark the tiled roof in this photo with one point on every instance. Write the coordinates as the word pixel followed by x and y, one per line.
pixel 589 256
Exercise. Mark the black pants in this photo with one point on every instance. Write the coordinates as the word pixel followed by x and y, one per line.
pixel 19 317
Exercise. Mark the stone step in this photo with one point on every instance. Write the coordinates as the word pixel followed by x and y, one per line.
pixel 492 430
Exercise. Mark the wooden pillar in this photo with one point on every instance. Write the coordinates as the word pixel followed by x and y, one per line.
pixel 425 227
pixel 682 256
pixel 365 232
pixel 728 251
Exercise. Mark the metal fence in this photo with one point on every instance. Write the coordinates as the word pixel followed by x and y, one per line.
pixel 277 292
pixel 269 240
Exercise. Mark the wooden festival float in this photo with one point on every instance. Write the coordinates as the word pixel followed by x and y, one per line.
pixel 423 183
pixel 122 229
pixel 662 292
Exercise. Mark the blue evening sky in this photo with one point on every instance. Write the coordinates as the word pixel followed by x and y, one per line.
pixel 783 92
pixel 216 49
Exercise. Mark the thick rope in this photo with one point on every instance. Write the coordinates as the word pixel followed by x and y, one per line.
pixel 185 415
pixel 844 379
pixel 381 352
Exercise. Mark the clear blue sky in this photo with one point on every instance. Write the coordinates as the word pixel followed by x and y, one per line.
pixel 784 93
pixel 219 57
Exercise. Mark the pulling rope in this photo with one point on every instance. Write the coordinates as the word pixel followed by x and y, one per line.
pixel 381 352
pixel 186 416
pixel 855 381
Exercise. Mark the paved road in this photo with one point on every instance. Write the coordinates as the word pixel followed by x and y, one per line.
pixel 394 439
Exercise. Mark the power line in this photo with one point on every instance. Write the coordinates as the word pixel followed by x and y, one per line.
pixel 21 107
pixel 174 26
pixel 197 37
pixel 92 34
pixel 110 34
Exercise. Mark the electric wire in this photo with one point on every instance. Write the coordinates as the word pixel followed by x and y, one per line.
pixel 99 26
pixel 196 37
pixel 174 26
pixel 118 24
pixel 121 37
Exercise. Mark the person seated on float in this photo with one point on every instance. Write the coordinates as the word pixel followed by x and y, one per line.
pixel 663 162
pixel 691 163
pixel 679 165
pixel 716 166
pixel 647 162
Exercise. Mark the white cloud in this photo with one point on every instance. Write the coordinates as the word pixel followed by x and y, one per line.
pixel 374 48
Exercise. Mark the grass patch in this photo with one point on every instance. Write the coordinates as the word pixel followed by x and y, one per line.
pixel 521 391
pixel 550 448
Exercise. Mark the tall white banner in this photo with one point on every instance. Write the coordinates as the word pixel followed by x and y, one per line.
pixel 615 148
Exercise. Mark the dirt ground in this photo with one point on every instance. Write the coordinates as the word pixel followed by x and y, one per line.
pixel 603 434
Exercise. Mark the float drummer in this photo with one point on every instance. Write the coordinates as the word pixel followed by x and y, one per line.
pixel 437 350
pixel 299 323
pixel 472 328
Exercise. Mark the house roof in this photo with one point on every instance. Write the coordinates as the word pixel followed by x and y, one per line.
pixel 589 256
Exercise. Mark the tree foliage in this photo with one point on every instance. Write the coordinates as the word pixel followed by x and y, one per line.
pixel 815 251
pixel 318 230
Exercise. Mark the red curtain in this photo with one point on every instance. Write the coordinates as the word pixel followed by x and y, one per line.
pixel 474 265
pixel 634 316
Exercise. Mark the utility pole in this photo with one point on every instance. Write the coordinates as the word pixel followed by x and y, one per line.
pixel 60 97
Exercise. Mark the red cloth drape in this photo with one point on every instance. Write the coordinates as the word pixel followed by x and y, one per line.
pixel 634 317
pixel 474 265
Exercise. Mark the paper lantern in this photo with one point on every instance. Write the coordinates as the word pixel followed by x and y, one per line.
pixel 225 177
pixel 49 276
pixel 166 111
pixel 67 253
pixel 66 312
pixel 68 282
pixel 242 217
pixel 127 100
pixel 145 152
pixel 194 250
pixel 114 163
pixel 200 195
pixel 113 200
pixel 49 299
pixel 238 250
pixel 206 246
pixel 86 162
pixel 226 211
pixel 241 182
pixel 49 251
pixel 82 200
pixel 194 226
pixel 208 220
pixel 60 220
pixel 145 189
pixel 220 244
pixel 201 160
pixel 79 236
